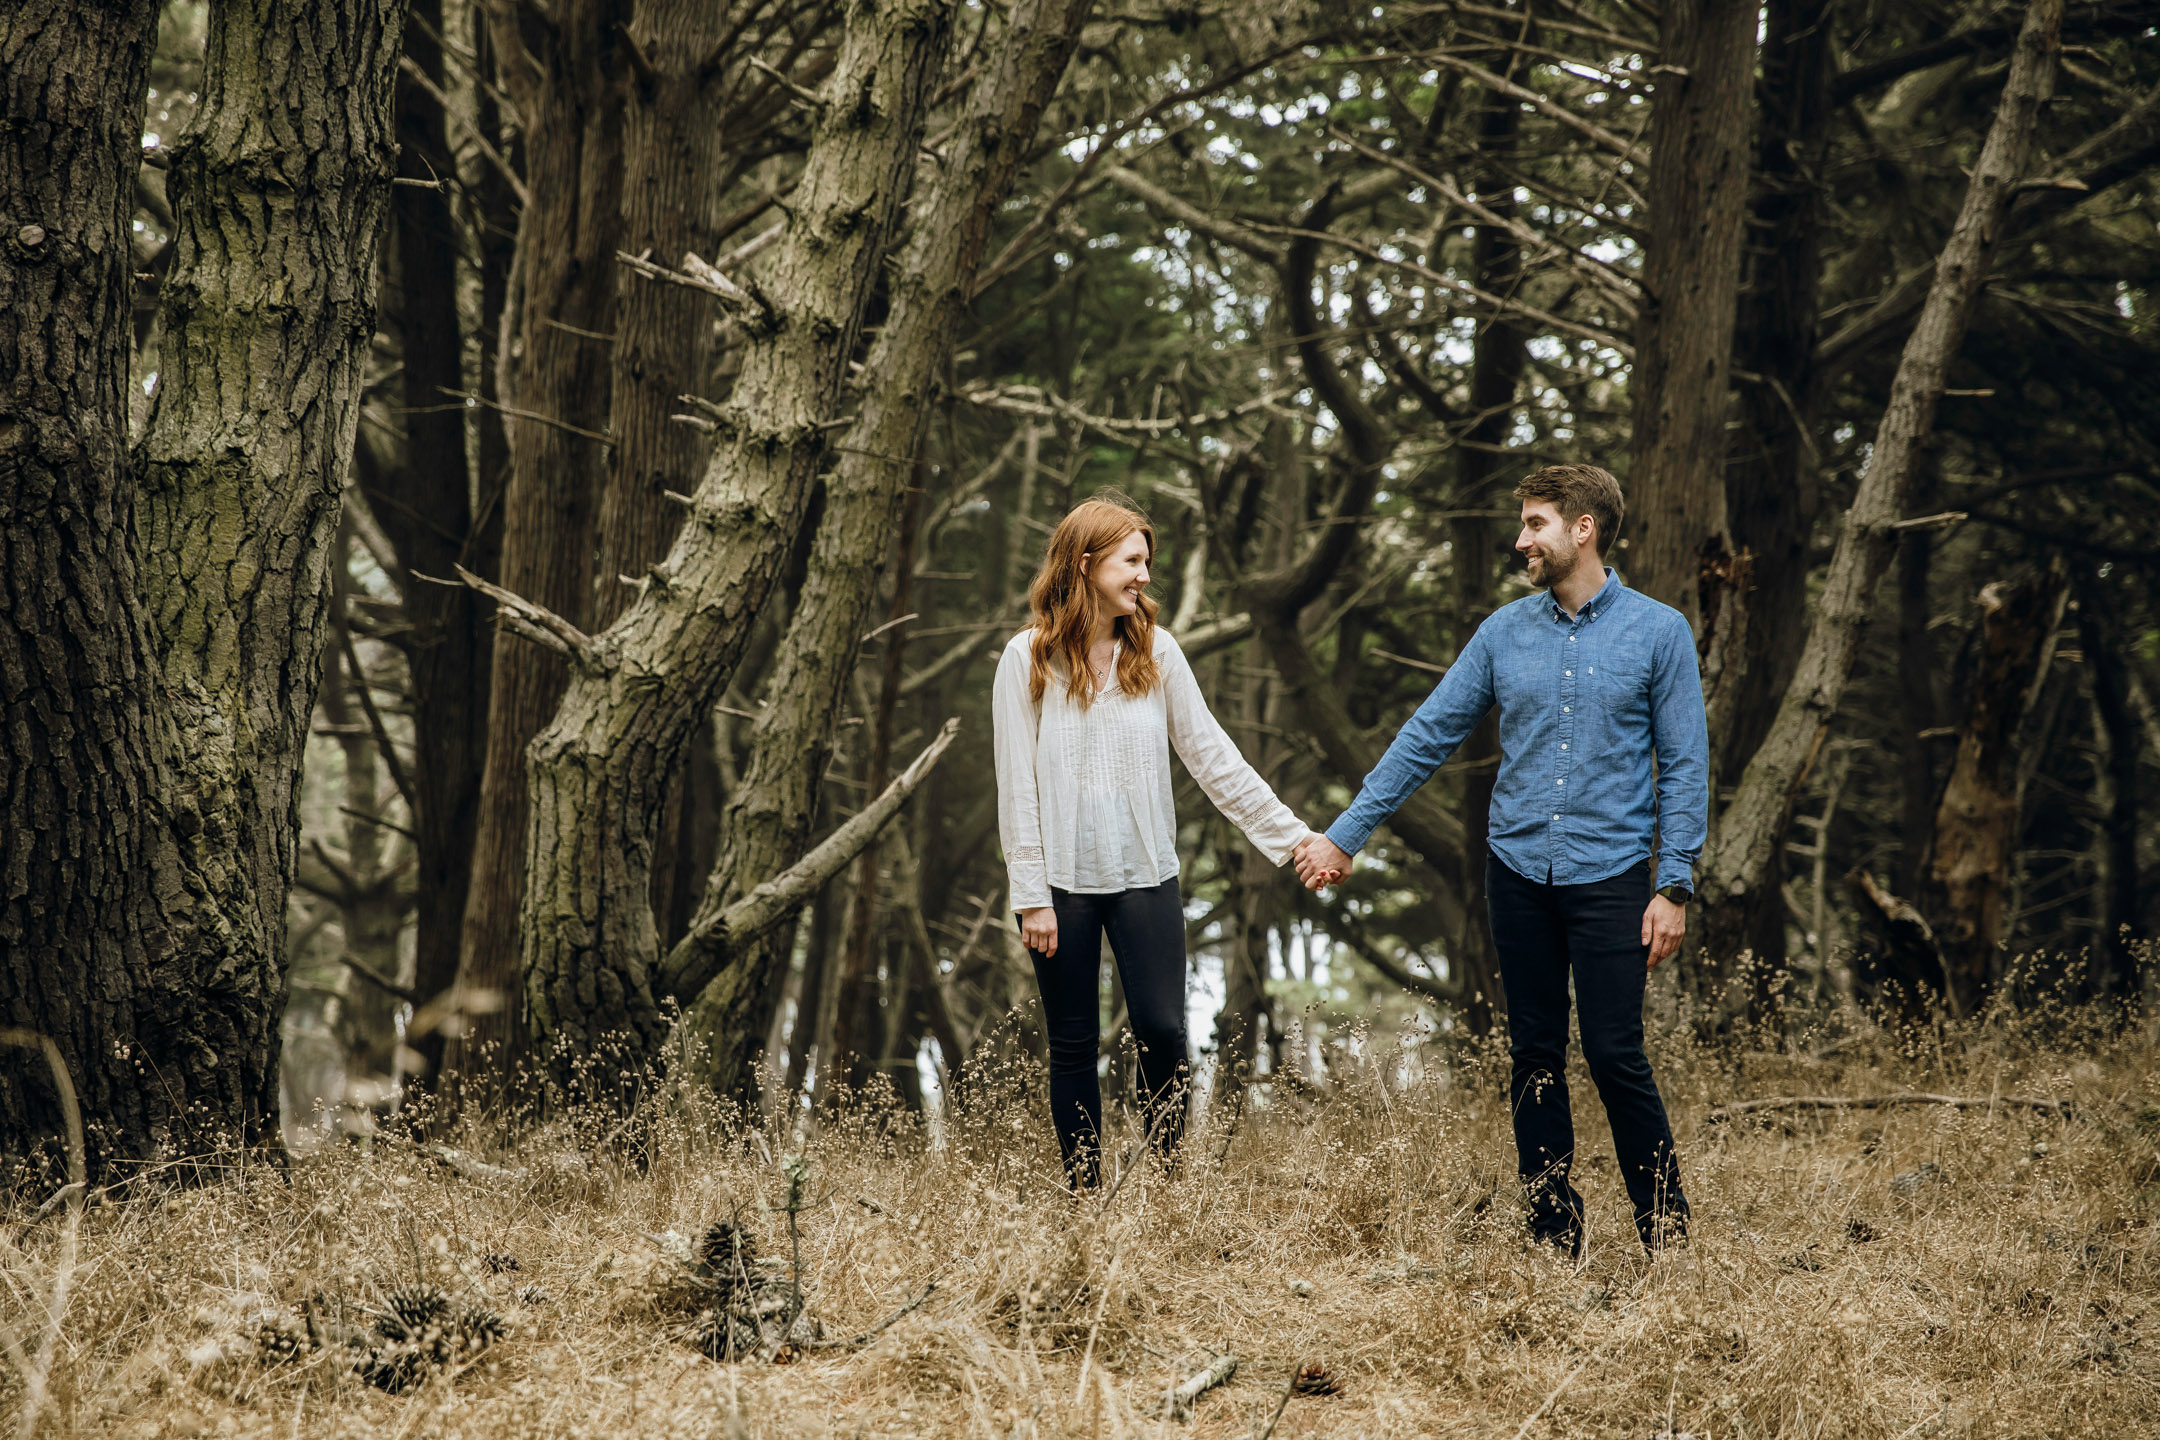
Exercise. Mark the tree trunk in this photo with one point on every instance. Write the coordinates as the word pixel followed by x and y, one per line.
pixel 638 692
pixel 1772 491
pixel 563 70
pixel 173 678
pixel 88 845
pixel 769 817
pixel 1698 185
pixel 1916 694
pixel 1976 826
pixel 268 315
pixel 364 883
pixel 1738 859
pixel 858 1034
pixel 1495 376
pixel 1255 905
pixel 2106 662
pixel 425 507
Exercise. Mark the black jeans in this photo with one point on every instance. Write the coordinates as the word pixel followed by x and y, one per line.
pixel 1542 933
pixel 1147 935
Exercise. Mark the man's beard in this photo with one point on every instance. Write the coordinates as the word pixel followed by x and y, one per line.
pixel 1556 569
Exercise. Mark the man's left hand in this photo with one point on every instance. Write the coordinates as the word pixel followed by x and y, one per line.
pixel 1662 926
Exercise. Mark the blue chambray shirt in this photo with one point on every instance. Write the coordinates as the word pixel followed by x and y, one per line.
pixel 1585 703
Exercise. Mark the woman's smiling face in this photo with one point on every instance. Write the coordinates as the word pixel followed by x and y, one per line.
pixel 1120 574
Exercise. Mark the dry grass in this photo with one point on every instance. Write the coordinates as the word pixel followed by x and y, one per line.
pixel 1902 1273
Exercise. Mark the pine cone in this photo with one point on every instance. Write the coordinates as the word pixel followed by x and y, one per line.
pixel 280 1337
pixel 477 1328
pixel 721 1334
pixel 727 1253
pixel 1316 1379
pixel 499 1263
pixel 410 1311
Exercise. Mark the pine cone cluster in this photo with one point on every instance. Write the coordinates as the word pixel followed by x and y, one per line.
pixel 416 1334
pixel 731 1304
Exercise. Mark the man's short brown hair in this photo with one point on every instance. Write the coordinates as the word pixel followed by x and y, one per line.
pixel 1578 490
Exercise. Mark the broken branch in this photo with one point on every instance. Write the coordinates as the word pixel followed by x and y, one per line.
pixel 1883 1102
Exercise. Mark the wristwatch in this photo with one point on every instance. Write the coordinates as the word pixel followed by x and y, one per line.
pixel 1678 894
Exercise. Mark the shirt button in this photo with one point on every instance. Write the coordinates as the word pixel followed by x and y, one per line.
pixel 1559 782
pixel 1567 709
pixel 1563 744
pixel 1570 639
pixel 1571 672
pixel 1556 817
pixel 1593 670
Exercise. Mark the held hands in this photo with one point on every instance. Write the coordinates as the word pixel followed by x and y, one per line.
pixel 1320 861
pixel 1662 926
pixel 1038 929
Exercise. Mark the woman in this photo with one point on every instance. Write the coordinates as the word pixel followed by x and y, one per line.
pixel 1086 706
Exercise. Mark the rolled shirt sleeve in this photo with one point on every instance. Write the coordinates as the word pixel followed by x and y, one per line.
pixel 1424 744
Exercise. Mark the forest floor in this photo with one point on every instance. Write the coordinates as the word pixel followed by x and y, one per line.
pixel 1903 1272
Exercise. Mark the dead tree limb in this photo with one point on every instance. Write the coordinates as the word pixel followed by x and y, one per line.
pixel 1738 1108
pixel 690 966
pixel 1178 1401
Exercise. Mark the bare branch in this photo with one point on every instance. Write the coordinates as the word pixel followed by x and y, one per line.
pixel 1193 218
pixel 691 965
pixel 522 617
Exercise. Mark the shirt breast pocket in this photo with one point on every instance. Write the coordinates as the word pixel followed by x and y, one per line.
pixel 1623 686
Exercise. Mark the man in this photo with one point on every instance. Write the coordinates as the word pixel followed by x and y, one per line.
pixel 1594 682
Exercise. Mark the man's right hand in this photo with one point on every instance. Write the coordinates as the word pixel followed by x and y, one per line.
pixel 1038 929
pixel 1320 861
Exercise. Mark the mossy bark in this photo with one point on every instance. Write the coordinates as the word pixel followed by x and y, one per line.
pixel 162 657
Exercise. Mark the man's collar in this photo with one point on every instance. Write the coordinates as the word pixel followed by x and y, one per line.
pixel 1596 605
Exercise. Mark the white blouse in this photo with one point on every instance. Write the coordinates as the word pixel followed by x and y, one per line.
pixel 1084 798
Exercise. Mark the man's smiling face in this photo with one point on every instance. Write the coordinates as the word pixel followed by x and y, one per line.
pixel 1548 543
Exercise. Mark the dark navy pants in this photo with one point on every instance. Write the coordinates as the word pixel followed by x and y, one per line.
pixel 1544 933
pixel 1147 935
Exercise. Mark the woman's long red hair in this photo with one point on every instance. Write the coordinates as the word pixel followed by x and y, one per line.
pixel 1064 605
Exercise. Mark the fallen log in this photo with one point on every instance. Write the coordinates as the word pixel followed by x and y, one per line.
pixel 1882 1102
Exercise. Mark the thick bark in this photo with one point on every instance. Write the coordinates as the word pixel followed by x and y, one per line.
pixel 563 70
pixel 1697 191
pixel 86 847
pixel 162 651
pixel 425 507
pixel 267 316
pixel 1738 858
pixel 1976 825
pixel 857 1030
pixel 664 335
pixel 769 817
pixel 639 691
